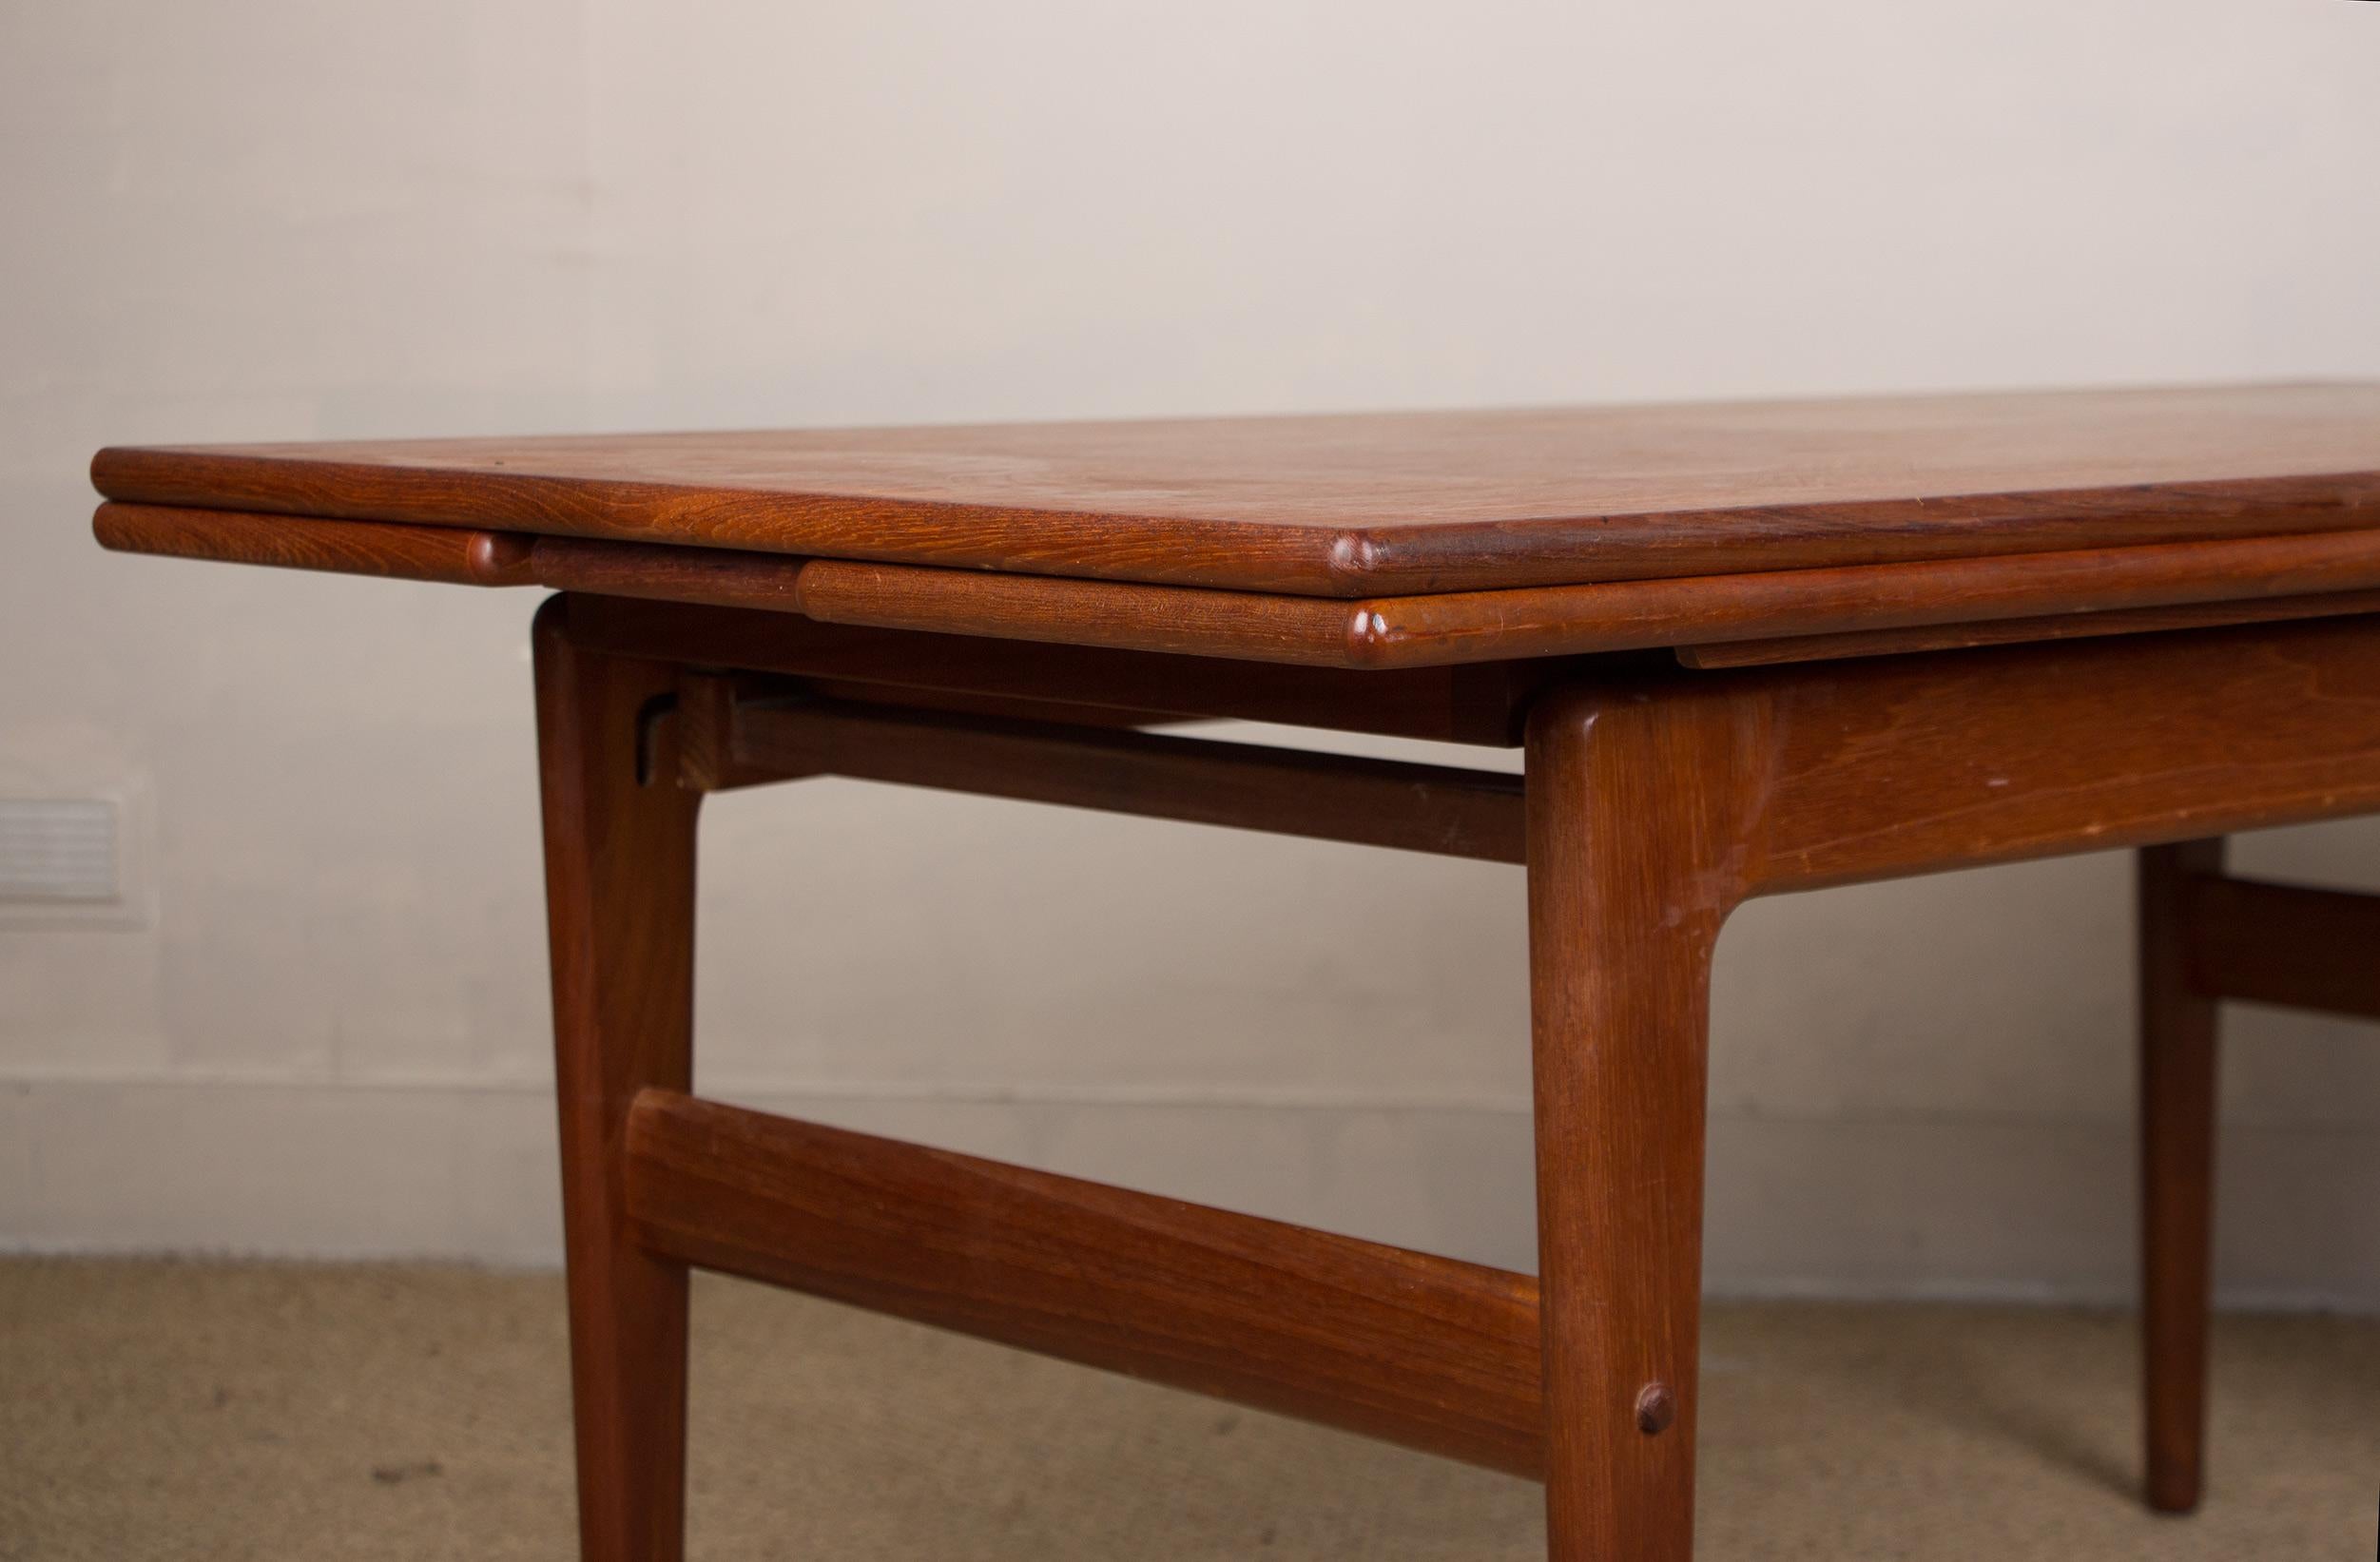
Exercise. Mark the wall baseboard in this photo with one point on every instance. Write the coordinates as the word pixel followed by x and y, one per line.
pixel 1940 1209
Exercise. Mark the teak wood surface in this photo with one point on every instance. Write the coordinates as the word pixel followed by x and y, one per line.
pixel 1381 503
pixel 1746 650
pixel 1425 1351
pixel 1367 541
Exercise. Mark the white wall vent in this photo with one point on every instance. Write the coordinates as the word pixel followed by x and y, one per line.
pixel 58 849
pixel 71 859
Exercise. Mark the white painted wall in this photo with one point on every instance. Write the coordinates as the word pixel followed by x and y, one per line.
pixel 277 220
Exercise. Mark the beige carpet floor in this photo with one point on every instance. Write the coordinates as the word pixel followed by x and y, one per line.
pixel 167 1410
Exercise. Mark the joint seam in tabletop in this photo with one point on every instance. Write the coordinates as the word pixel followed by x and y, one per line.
pixel 1380 633
pixel 1340 562
pixel 1360 505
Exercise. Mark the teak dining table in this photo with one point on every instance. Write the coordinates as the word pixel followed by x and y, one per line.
pixel 1748 649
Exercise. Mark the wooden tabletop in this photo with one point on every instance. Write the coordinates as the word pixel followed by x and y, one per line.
pixel 1531 517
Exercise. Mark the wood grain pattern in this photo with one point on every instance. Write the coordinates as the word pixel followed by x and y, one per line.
pixel 1429 1352
pixel 1576 620
pixel 1996 755
pixel 2285 944
pixel 1634 807
pixel 1356 505
pixel 1441 809
pixel 1478 705
pixel 1658 800
pixel 2179 1080
pixel 2015 631
pixel 349 548
pixel 703 720
pixel 1432 575
pixel 2206 936
pixel 1304 631
pixel 1384 632
pixel 619 839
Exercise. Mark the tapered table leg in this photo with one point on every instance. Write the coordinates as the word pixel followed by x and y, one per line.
pixel 619 835
pixel 2177 1109
pixel 1627 827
